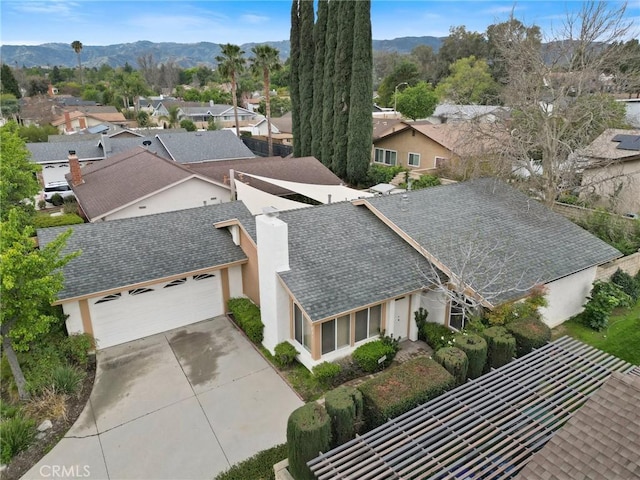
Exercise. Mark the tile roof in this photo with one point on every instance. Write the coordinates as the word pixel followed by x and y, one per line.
pixel 204 146
pixel 601 440
pixel 497 239
pixel 133 250
pixel 303 170
pixel 342 257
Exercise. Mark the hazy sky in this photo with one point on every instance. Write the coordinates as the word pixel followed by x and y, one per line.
pixel 106 22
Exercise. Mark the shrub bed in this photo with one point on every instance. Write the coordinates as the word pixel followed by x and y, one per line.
pixel 475 347
pixel 455 361
pixel 628 284
pixel 367 356
pixel 285 354
pixel 402 388
pixel 44 221
pixel 247 316
pixel 344 406
pixel 308 432
pixel 501 346
pixel 436 335
pixel 529 334
pixel 16 434
pixel 260 466
pixel 326 372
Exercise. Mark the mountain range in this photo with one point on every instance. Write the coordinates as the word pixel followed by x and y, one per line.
pixel 183 54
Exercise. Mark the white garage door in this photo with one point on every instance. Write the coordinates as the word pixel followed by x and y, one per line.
pixel 127 316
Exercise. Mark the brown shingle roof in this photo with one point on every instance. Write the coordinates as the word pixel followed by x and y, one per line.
pixel 602 440
pixel 284 123
pixel 106 116
pixel 303 170
pixel 604 147
pixel 383 125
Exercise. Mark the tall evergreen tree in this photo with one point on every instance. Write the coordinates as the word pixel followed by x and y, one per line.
pixel 361 96
pixel 331 39
pixel 342 86
pixel 319 34
pixel 8 83
pixel 307 54
pixel 294 80
pixel 231 64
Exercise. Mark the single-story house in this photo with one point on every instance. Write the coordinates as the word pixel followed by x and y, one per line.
pixel 610 170
pixel 330 277
pixel 453 113
pixel 87 117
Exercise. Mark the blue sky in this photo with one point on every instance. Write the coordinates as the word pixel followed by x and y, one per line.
pixel 106 22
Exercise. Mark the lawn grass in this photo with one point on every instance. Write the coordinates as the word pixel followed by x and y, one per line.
pixel 621 338
pixel 258 467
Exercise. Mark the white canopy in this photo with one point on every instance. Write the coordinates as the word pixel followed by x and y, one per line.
pixel 320 193
pixel 255 200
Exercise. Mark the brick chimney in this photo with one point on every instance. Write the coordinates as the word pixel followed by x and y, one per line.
pixel 83 123
pixel 74 166
pixel 67 122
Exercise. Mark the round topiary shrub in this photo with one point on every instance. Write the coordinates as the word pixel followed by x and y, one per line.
pixel 56 199
pixel 501 346
pixel 308 434
pixel 455 361
pixel 368 356
pixel 344 406
pixel 529 334
pixel 284 354
pixel 476 349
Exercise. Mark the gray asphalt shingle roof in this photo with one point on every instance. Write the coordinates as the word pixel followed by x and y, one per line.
pixel 476 228
pixel 133 250
pixel 203 146
pixel 342 257
pixel 59 151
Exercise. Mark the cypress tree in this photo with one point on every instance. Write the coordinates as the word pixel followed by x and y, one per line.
pixel 307 53
pixel 319 34
pixel 294 79
pixel 8 83
pixel 361 96
pixel 327 83
pixel 342 86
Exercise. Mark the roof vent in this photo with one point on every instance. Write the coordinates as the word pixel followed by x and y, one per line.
pixel 270 211
pixel 72 152
pixel 146 143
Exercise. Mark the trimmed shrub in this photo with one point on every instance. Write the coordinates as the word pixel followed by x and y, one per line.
pixel 260 466
pixel 604 297
pixel 344 406
pixel 627 284
pixel 67 379
pixel 45 221
pixel 436 335
pixel 420 317
pixel 382 174
pixel 425 181
pixel 56 199
pixel 455 361
pixel 402 388
pixel 367 356
pixel 308 434
pixel 16 434
pixel 326 372
pixel 247 316
pixel 285 354
pixel 76 348
pixel 529 334
pixel 501 346
pixel 475 347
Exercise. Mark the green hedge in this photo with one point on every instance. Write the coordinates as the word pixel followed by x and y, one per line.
pixel 402 388
pixel 247 316
pixel 308 434
pixel 475 348
pixel 284 354
pixel 501 346
pixel 366 356
pixel 344 406
pixel 529 334
pixel 455 361
pixel 436 335
pixel 326 372
pixel 260 466
pixel 44 221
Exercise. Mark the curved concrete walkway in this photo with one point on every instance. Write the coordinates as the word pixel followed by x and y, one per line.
pixel 185 404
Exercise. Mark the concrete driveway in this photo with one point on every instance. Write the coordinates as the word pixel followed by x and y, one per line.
pixel 185 404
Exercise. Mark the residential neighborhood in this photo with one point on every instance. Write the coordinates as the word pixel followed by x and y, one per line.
pixel 327 257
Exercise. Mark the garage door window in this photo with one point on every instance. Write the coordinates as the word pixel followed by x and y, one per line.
pixel 109 298
pixel 175 283
pixel 203 276
pixel 139 291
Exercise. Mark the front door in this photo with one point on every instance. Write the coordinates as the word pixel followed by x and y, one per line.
pixel 401 324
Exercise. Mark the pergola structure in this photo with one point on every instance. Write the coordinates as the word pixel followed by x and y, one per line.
pixel 487 428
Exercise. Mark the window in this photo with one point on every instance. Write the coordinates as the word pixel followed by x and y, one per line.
pixel 386 157
pixel 176 282
pixel 203 276
pixel 336 334
pixel 109 298
pixel 368 322
pixel 301 328
pixel 414 160
pixel 458 316
pixel 440 162
pixel 138 291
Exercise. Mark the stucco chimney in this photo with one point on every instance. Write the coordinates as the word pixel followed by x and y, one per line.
pixel 67 122
pixel 74 166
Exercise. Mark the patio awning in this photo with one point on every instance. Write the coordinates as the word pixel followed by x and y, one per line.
pixel 255 200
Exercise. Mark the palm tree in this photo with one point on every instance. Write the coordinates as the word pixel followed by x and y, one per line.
pixel 266 60
pixel 77 47
pixel 230 64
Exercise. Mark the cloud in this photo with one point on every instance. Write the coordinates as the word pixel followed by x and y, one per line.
pixel 67 9
pixel 253 19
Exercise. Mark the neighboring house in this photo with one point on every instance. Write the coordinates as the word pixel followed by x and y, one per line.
pixel 632 111
pixel 139 182
pixel 285 129
pixel 86 117
pixel 611 170
pixel 384 126
pixel 201 113
pixel 260 128
pixel 452 113
pixel 566 411
pixel 329 278
pixel 194 147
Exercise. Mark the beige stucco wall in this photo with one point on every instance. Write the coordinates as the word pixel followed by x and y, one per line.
pixel 411 141
pixel 566 296
pixel 74 319
pixel 605 181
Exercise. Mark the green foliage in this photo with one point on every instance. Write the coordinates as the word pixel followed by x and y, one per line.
pixel 455 361
pixel 258 467
pixel 143 119
pixel 344 405
pixel 285 354
pixel 436 335
pixel 307 55
pixel 188 125
pixel 402 388
pixel 628 284
pixel 418 101
pixel 76 348
pixel 247 316
pixel 308 433
pixel 328 92
pixel 8 83
pixel 529 334
pixel 425 181
pixel 620 233
pixel 36 134
pixel 16 434
pixel 44 220
pixel 230 64
pixel 420 317
pixel 475 347
pixel 382 174
pixel 604 297
pixel 526 309
pixel 56 199
pixel 405 71
pixel 67 379
pixel 470 82
pixel 326 372
pixel 319 38
pixel 501 346
pixel 367 356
